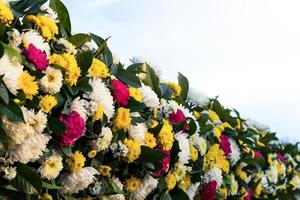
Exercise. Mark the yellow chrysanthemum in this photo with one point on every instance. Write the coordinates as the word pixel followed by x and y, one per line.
pixel 150 140
pixel 28 85
pixel 99 113
pixel 215 156
pixel 105 170
pixel 92 153
pixel 242 174
pixel 67 62
pixel 194 153
pixel 47 102
pixel 98 69
pixel 185 183
pixel 166 136
pixel 132 184
pixel 46 196
pixel 154 123
pixel 47 26
pixel 134 149
pixel 213 116
pixel 223 192
pixel 136 94
pixel 257 190
pixel 76 162
pixel 260 144
pixel 217 132
pixel 196 114
pixel 122 120
pixel 6 15
pixel 238 124
pixel 170 181
pixel 175 87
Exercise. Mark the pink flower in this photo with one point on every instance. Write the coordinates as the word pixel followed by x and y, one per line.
pixel 258 154
pixel 75 126
pixel 121 92
pixel 165 163
pixel 225 145
pixel 249 194
pixel 209 191
pixel 37 57
pixel 176 117
pixel 280 157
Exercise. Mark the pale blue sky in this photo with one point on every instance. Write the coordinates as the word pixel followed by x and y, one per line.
pixel 247 52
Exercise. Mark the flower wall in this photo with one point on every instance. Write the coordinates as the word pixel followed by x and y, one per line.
pixel 78 124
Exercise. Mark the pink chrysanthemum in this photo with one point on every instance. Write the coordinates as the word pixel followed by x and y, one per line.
pixel 165 163
pixel 225 145
pixel 37 57
pixel 209 191
pixel 75 126
pixel 121 92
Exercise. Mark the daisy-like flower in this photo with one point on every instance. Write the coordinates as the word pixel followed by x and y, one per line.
pixel 52 81
pixel 50 13
pixel 51 167
pixel 81 106
pixel 68 45
pixel 214 174
pixel 10 173
pixel 147 185
pixel 184 146
pixel 137 132
pixel 235 154
pixel 149 97
pixel 27 83
pixel 198 97
pixel 14 38
pixel 103 141
pixel 37 121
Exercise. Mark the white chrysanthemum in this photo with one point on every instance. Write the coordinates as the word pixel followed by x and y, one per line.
pixel 116 59
pixel 192 190
pixel 30 150
pixel 184 146
pixel 81 106
pixel 52 81
pixel 272 174
pixel 103 141
pixel 101 95
pixel 89 45
pixel 149 97
pixel 10 173
pixel 119 149
pixel 34 37
pixel 147 185
pixel 117 182
pixel 199 142
pixel 38 121
pixel 296 181
pixel 11 69
pixel 139 59
pixel 214 174
pixel 256 125
pixel 198 97
pixel 235 154
pixel 113 197
pixel 50 13
pixel 69 46
pixel 233 185
pixel 137 132
pixel 14 38
pixel 168 107
pixel 75 182
pixel 180 170
pixel 51 167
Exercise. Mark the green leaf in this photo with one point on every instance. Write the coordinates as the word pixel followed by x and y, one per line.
pixel 151 156
pixel 184 84
pixel 62 13
pixel 135 106
pixel 166 91
pixel 128 78
pixel 12 111
pixel 12 53
pixel 165 196
pixel 79 39
pixel 152 80
pixel 83 84
pixel 178 194
pixel 50 186
pixel 84 61
pixel 56 126
pixel 4 93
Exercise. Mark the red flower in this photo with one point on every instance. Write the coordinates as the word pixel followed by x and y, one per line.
pixel 121 92
pixel 225 145
pixel 176 117
pixel 37 57
pixel 258 154
pixel 280 157
pixel 165 163
pixel 75 126
pixel 249 194
pixel 209 191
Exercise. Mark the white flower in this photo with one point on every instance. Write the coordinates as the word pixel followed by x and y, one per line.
pixel 11 69
pixel 137 132
pixel 75 182
pixel 149 97
pixel 51 167
pixel 14 38
pixel 119 149
pixel 235 154
pixel 103 141
pixel 256 125
pixel 10 173
pixel 33 37
pixel 296 181
pixel 96 188
pixel 272 174
pixel 199 142
pixel 198 97
pixel 116 59
pixel 101 95
pixel 81 106
pixel 214 174
pixel 52 81
pixel 192 190
pixel 233 185
pixel 50 13
pixel 37 121
pixel 69 46
pixel 139 59
pixel 184 146
pixel 147 185
pixel 30 150
pixel 117 182
pixel 113 197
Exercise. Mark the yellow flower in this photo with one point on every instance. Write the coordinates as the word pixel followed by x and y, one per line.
pixel 257 190
pixel 166 136
pixel 226 125
pixel 47 102
pixel 134 149
pixel 28 85
pixel 98 69
pixel 217 132
pixel 122 120
pixel 47 26
pixel 76 162
pixel 150 140
pixel 215 156
pixel 67 62
pixel 104 170
pixel 170 181
pixel 136 94
pixel 175 87
pixel 51 167
pixel 46 196
pixel 194 153
pixel 154 123
pixel 196 114
pixel 99 113
pixel 185 183
pixel 238 124
pixel 213 116
pixel 260 144
pixel 92 153
pixel 132 184
pixel 241 173
pixel 223 192
pixel 6 15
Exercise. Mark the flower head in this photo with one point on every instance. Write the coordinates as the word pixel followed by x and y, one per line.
pixel 6 15
pixel 225 145
pixel 170 181
pixel 166 136
pixel 46 25
pixel 28 85
pixel 52 81
pixel 51 167
pixel 122 120
pixel 134 149
pixel 136 94
pixel 37 57
pixel 76 162
pixel 209 191
pixel 98 69
pixel 121 92
pixel 132 184
pixel 47 102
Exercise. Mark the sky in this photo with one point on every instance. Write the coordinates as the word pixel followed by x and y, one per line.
pixel 247 52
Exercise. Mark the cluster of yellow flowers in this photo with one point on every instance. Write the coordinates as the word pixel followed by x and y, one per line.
pixel 98 69
pixel 215 156
pixel 166 135
pixel 46 25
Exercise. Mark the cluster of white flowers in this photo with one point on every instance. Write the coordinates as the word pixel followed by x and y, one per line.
pixel 198 97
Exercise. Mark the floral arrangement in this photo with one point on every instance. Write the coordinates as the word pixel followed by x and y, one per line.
pixel 77 124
